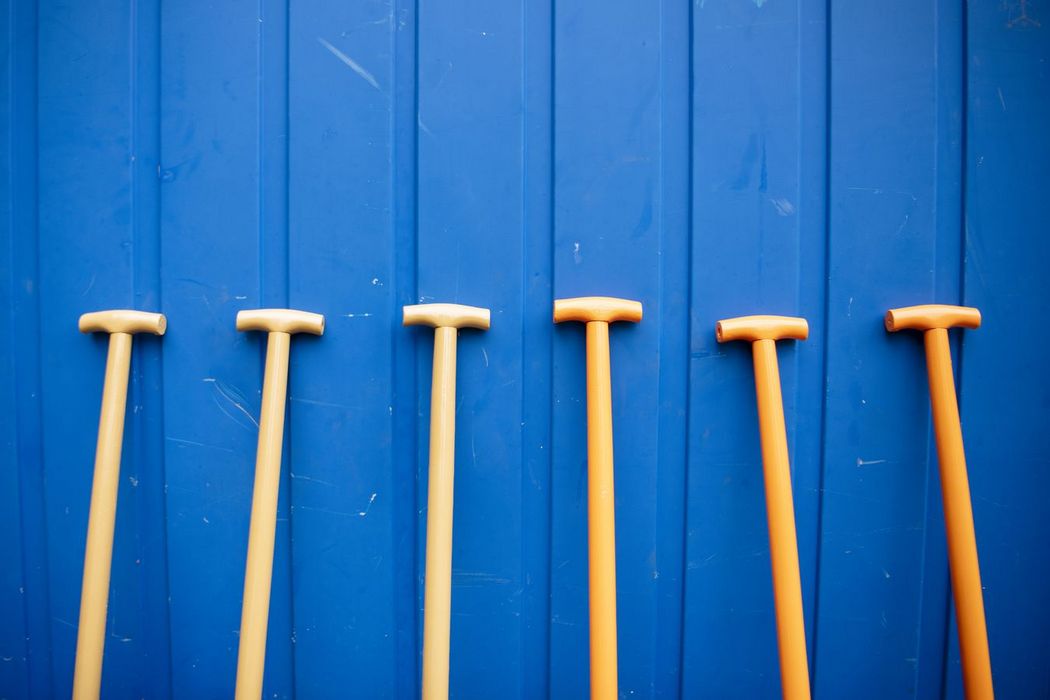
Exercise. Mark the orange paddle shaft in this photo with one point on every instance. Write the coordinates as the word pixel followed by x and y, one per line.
pixel 598 313
pixel 935 320
pixel 763 332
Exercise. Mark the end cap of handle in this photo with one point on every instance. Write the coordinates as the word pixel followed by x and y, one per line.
pixel 761 328
pixel 587 309
pixel 927 316
pixel 123 321
pixel 446 316
pixel 280 321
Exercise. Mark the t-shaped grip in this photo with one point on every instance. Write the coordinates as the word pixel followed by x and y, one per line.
pixel 446 316
pixel 280 321
pixel 927 316
pixel 587 309
pixel 761 328
pixel 123 321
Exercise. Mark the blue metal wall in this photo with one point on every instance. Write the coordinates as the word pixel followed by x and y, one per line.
pixel 712 159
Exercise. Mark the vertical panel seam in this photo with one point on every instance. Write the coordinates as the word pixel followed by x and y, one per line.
pixel 689 330
pixel 825 379
pixel 552 246
pixel 404 381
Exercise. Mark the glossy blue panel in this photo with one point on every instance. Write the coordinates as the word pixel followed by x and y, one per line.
pixel 894 222
pixel 757 229
pixel 1004 392
pixel 710 159
pixel 14 672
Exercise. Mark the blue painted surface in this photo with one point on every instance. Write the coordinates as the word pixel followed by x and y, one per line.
pixel 711 159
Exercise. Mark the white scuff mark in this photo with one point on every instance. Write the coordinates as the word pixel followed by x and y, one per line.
pixel 1001 100
pixel 886 573
pixel 363 314
pixel 301 477
pixel 240 297
pixel 849 308
pixel 91 284
pixel 192 443
pixel 206 521
pixel 314 402
pixel 351 63
pixel 783 206
pixel 760 3
pixel 423 127
pixel 227 394
pixel 576 256
pixel 867 462
pixel 485 356
pixel 134 481
pixel 364 512
pixel 474 578
pixel 376 282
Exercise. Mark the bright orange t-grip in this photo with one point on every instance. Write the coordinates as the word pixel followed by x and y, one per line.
pixel 446 319
pixel 763 332
pixel 598 313
pixel 935 320
pixel 279 324
pixel 98 552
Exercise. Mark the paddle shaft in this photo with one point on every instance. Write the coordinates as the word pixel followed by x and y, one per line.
pixel 601 514
pixel 438 581
pixel 780 514
pixel 98 552
pixel 958 519
pixel 258 571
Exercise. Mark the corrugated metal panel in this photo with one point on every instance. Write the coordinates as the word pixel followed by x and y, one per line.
pixel 710 159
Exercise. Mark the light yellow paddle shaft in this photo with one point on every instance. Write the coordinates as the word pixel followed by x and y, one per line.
pixel 94 594
pixel 98 552
pixel 446 319
pixel 258 571
pixel 438 582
